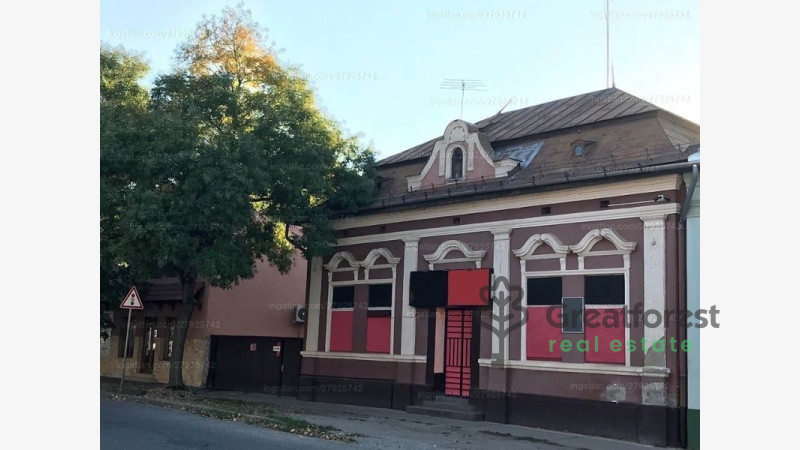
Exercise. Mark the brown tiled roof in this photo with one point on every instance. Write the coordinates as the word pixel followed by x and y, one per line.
pixel 568 112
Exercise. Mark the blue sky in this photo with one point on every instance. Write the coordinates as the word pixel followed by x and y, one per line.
pixel 376 66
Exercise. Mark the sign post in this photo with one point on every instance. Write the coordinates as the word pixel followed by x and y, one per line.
pixel 130 302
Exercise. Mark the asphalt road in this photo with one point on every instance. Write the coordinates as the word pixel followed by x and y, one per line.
pixel 126 425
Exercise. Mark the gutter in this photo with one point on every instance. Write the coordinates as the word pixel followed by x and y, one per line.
pixel 504 186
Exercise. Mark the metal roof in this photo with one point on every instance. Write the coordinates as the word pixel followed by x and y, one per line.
pixel 568 112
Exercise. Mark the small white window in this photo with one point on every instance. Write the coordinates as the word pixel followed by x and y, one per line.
pixel 457 164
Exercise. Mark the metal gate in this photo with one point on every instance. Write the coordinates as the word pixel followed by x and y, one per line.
pixel 458 356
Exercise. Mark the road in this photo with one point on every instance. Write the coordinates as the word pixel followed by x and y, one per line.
pixel 126 426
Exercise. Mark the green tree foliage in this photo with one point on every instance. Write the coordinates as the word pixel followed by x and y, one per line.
pixel 229 152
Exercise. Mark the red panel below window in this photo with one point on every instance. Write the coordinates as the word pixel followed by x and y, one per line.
pixel 378 334
pixel 606 331
pixel 464 287
pixel 539 333
pixel 341 331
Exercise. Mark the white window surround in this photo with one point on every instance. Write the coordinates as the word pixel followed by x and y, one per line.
pixel 582 249
pixel 551 366
pixel 440 255
pixel 449 163
pixel 458 133
pixel 368 263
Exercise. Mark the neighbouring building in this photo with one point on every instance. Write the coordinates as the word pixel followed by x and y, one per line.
pixel 242 338
pixel 572 205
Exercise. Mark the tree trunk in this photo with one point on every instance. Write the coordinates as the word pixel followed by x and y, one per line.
pixel 181 329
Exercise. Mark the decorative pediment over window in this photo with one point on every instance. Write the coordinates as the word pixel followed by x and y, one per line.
pixel 533 242
pixel 375 255
pixel 526 252
pixel 463 153
pixel 442 254
pixel 585 246
pixel 335 264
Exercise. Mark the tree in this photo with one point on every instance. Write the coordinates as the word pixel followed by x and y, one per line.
pixel 123 109
pixel 231 153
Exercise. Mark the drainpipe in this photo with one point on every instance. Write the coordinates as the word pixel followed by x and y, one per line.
pixel 683 428
pixel 689 194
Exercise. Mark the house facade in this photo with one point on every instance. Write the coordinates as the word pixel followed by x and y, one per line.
pixel 573 206
pixel 242 338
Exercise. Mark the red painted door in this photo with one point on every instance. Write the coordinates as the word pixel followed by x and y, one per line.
pixel 457 355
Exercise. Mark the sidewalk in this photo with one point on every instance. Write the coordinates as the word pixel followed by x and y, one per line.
pixel 391 429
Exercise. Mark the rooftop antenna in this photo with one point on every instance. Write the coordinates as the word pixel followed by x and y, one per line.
pixel 463 85
pixel 608 41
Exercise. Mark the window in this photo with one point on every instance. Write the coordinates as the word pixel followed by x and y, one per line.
pixel 581 148
pixel 380 296
pixel 544 299
pixel 544 291
pixel 343 297
pixel 379 322
pixel 457 164
pixel 169 338
pixel 605 290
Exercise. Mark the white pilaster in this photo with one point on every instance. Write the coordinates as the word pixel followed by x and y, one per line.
pixel 408 329
pixel 314 304
pixel 502 259
pixel 655 290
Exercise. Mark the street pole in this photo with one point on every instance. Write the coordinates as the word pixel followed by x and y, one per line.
pixel 125 352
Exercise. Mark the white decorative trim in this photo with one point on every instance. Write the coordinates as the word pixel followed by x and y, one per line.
pixel 526 251
pixel 333 264
pixel 365 356
pixel 593 237
pixel 502 261
pixel 551 366
pixel 655 275
pixel 607 190
pixel 448 165
pixel 456 134
pixel 562 219
pixel 408 324
pixel 358 282
pixel 439 256
pixel 314 301
pixel 368 263
pixel 584 247
pixel 374 254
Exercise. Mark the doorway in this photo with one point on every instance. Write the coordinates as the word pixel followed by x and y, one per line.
pixel 149 341
pixel 458 345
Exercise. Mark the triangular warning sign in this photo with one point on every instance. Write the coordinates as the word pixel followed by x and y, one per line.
pixel 132 300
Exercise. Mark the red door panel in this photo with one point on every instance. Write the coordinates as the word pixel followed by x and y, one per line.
pixel 458 343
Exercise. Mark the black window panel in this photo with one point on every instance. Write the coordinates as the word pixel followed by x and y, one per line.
pixel 605 290
pixel 380 295
pixel 544 291
pixel 428 289
pixel 343 296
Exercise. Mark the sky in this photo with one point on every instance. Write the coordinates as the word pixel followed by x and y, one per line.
pixel 377 66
